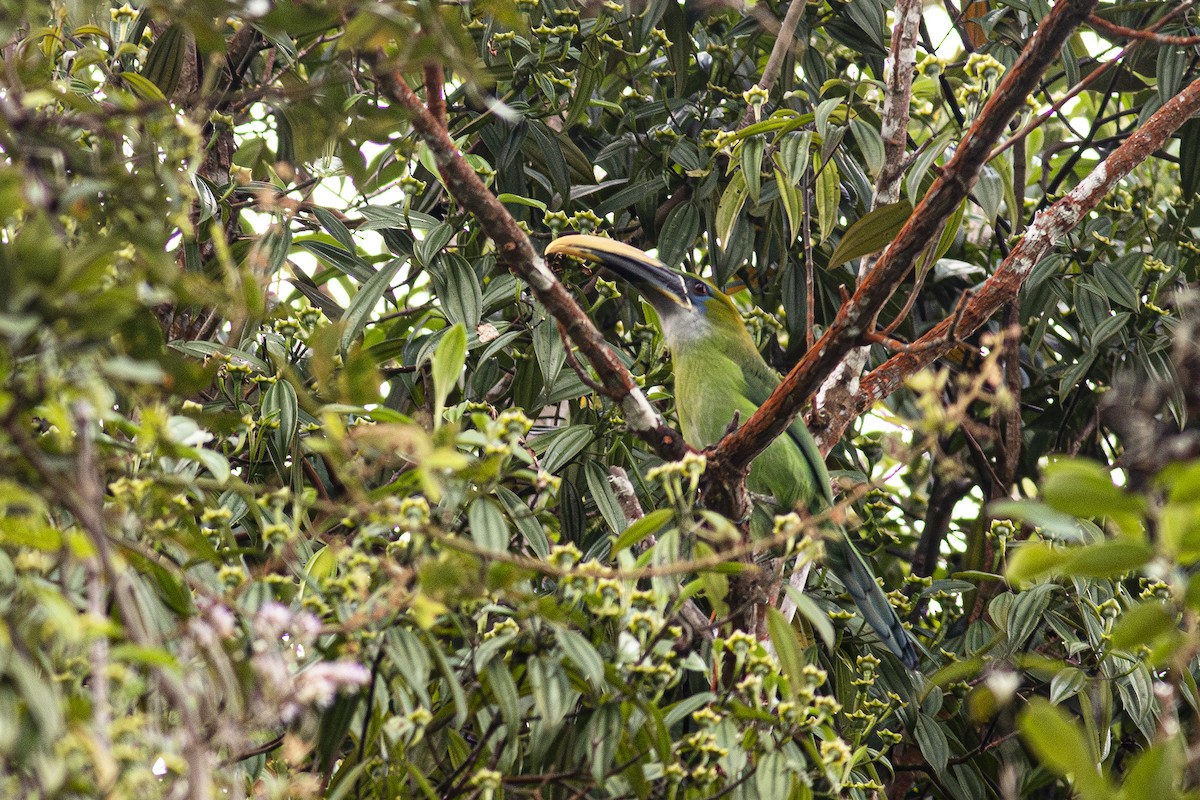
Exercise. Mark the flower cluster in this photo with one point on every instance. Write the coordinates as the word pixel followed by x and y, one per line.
pixel 280 657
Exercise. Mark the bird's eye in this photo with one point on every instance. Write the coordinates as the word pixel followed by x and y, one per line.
pixel 700 288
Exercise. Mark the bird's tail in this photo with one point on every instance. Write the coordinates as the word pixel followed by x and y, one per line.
pixel 855 574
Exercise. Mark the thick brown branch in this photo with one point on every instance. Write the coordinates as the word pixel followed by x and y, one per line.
pixel 516 252
pixel 435 97
pixel 856 318
pixel 1048 227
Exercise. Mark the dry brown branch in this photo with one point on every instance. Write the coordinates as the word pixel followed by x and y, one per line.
pixel 515 251
pixel 855 319
pixel 1003 286
pixel 1144 35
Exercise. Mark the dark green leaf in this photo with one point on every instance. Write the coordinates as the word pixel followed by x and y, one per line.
pixel 679 233
pixel 564 445
pixel 871 233
pixel 932 741
pixel 642 528
pixel 365 303
pixel 459 290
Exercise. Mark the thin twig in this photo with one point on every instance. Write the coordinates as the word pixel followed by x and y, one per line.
pixel 783 43
pixel 1087 81
pixel 1147 35
pixel 580 370
pixel 261 749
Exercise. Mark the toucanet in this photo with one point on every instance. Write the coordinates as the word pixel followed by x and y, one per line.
pixel 719 373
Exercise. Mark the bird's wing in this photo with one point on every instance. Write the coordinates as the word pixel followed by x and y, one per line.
pixel 841 556
pixel 817 491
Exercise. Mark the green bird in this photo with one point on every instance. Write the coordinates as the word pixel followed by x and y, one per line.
pixel 719 373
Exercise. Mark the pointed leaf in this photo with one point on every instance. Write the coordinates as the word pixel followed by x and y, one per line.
pixel 583 654
pixel 1059 743
pixel 751 157
pixel 816 617
pixel 788 649
pixel 932 741
pixel 487 526
pixel 448 361
pixel 792 197
pixel 678 233
pixel 732 200
pixel 871 233
pixel 646 526
pixel 829 199
pixel 604 497
pixel 794 154
pixel 279 401
pixel 359 312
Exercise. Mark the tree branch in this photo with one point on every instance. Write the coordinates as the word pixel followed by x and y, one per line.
pixel 1087 81
pixel 856 318
pixel 898 76
pixel 838 390
pixel 435 97
pixel 1121 31
pixel 515 251
pixel 1050 225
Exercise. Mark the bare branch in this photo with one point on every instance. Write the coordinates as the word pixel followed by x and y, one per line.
pixel 898 76
pixel 435 98
pixel 856 318
pixel 1049 226
pixel 627 498
pixel 515 251
pixel 1146 35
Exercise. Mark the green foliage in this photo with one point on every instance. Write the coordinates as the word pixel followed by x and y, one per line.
pixel 302 494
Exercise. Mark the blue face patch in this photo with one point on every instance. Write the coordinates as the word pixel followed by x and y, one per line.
pixel 697 292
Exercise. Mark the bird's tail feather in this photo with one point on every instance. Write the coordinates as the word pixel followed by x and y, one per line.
pixel 855 574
